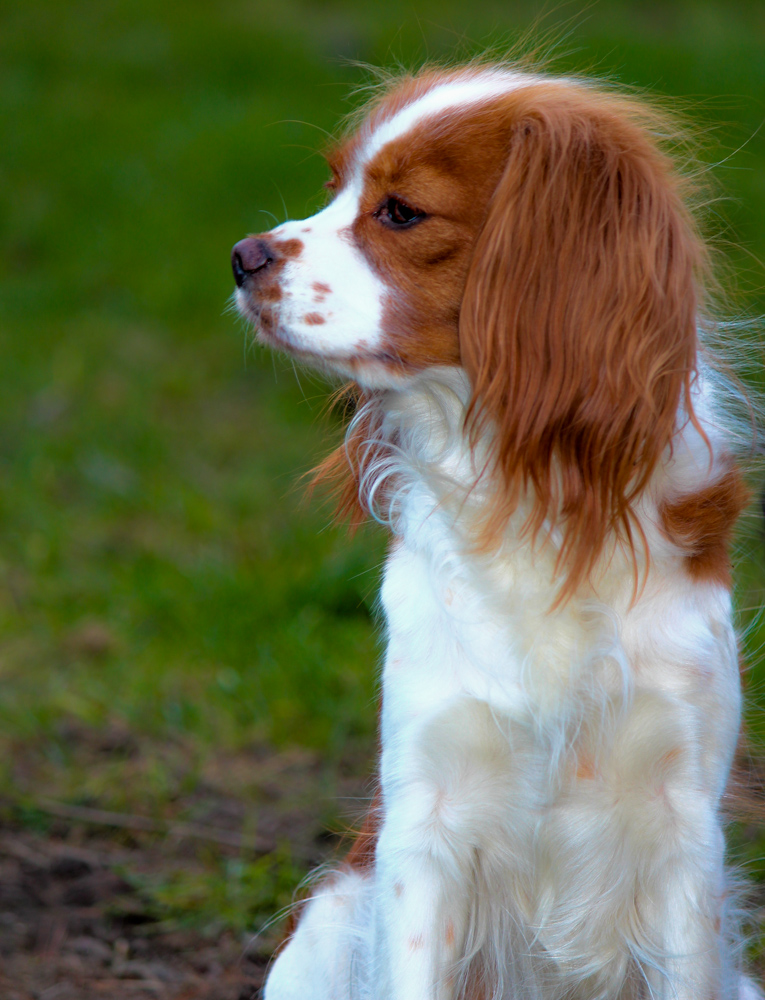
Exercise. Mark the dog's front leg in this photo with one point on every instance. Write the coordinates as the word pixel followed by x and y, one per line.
pixel 446 785
pixel 423 884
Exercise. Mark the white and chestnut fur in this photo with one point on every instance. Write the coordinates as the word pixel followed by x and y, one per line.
pixel 509 274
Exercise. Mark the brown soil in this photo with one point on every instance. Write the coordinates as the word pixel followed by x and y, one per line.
pixel 72 928
pixel 74 922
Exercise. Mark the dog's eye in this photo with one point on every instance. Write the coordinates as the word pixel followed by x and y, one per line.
pixel 396 214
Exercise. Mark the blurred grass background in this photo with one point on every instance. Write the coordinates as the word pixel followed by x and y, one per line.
pixel 158 574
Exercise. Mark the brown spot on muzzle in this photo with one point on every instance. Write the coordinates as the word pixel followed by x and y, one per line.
pixel 266 320
pixel 288 249
pixel 313 319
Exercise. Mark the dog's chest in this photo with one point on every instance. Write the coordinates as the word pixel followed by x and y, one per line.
pixel 442 643
pixel 460 634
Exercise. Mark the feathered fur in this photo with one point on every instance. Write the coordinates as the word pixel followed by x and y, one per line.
pixel 511 277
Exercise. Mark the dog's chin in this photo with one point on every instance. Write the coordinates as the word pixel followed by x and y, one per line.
pixel 247 309
pixel 268 331
pixel 373 370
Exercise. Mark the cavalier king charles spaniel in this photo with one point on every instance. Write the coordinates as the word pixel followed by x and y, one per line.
pixel 510 274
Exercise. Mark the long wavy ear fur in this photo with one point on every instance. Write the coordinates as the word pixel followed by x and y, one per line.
pixel 578 324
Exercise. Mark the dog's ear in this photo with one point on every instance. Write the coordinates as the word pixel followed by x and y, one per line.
pixel 578 324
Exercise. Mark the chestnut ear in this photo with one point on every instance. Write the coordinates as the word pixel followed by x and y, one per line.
pixel 578 323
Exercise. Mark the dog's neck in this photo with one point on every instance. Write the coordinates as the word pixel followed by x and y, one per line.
pixel 418 471
pixel 431 483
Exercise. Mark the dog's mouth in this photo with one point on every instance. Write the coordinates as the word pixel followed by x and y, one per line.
pixel 358 364
pixel 361 363
pixel 264 317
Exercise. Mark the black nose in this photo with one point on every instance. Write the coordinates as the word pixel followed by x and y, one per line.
pixel 249 256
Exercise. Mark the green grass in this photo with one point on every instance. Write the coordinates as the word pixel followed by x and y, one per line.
pixel 157 569
pixel 233 894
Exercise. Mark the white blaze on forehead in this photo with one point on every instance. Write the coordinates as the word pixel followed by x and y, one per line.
pixel 457 93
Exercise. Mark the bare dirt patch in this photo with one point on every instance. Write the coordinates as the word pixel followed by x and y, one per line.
pixel 73 927
pixel 163 902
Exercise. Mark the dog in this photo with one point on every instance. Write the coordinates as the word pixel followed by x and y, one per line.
pixel 510 275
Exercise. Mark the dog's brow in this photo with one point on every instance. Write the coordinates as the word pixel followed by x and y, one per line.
pixel 337 158
pixel 333 161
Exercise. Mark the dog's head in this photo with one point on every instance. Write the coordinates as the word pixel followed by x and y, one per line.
pixel 527 228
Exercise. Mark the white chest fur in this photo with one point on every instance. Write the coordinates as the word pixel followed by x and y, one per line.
pixel 548 774
pixel 551 776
